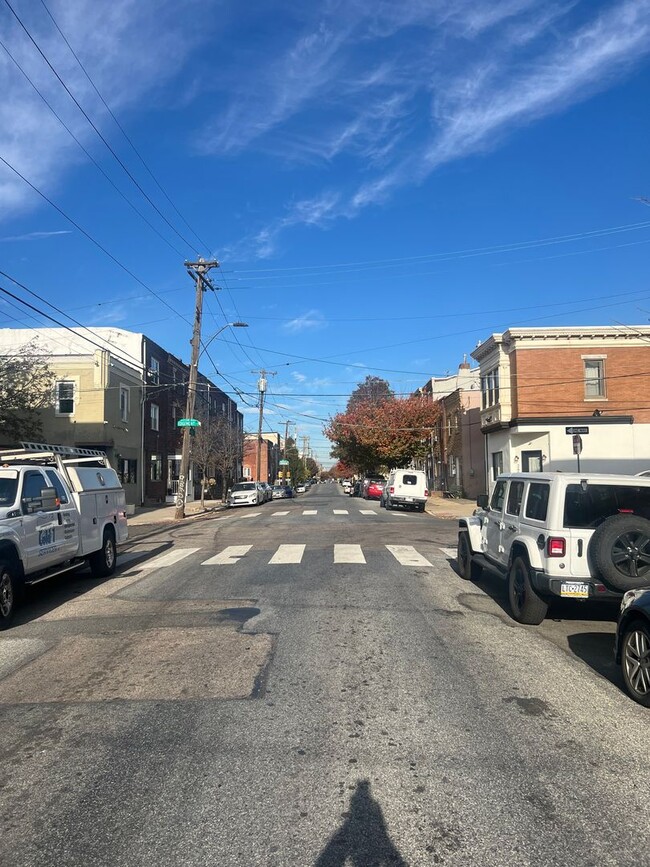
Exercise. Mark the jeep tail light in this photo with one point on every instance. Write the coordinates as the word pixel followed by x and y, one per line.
pixel 426 492
pixel 556 546
pixel 391 490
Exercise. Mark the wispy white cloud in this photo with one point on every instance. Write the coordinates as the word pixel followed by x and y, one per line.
pixel 35 236
pixel 299 377
pixel 310 321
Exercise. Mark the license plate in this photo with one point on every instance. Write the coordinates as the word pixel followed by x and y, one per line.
pixel 409 499
pixel 574 589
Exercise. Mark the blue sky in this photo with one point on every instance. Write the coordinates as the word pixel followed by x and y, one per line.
pixel 384 184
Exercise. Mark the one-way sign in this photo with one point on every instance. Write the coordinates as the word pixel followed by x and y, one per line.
pixel 576 430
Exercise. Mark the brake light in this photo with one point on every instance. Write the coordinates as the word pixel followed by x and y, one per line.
pixel 556 546
pixel 426 492
pixel 391 490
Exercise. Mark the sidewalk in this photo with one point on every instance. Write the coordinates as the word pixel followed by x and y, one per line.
pixel 439 507
pixel 164 514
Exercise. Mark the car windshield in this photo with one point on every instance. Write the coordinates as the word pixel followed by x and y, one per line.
pixel 244 486
pixel 589 507
pixel 278 487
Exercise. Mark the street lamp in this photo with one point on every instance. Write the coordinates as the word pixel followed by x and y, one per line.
pixel 191 388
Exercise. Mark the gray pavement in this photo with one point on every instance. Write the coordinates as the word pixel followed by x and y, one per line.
pixel 235 698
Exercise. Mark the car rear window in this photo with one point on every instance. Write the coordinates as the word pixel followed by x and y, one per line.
pixel 587 508
pixel 244 486
pixel 409 480
pixel 537 502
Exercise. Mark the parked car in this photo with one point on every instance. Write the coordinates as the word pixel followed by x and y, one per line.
pixel 245 494
pixel 267 490
pixel 373 487
pixel 560 535
pixel 407 488
pixel 632 647
pixel 355 490
pixel 300 489
pixel 280 492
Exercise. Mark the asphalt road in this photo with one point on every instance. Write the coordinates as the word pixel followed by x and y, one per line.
pixel 310 683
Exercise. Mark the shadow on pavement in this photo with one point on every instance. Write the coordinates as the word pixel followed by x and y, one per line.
pixel 363 839
pixel 597 650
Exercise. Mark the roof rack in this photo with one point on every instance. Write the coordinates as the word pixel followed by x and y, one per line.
pixel 45 451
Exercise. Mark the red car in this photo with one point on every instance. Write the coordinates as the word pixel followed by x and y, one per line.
pixel 373 488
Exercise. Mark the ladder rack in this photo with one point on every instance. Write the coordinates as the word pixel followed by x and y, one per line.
pixel 49 452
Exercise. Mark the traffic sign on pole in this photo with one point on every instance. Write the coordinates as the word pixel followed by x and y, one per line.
pixel 188 422
pixel 284 463
pixel 577 444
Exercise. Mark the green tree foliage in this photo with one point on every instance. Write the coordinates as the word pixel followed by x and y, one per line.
pixel 394 432
pixel 26 384
pixel 373 390
pixel 295 462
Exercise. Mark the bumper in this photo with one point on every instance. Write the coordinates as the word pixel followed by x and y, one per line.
pixel 248 502
pixel 547 585
pixel 407 501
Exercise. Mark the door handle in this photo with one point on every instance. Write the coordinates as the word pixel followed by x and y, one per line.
pixel 512 528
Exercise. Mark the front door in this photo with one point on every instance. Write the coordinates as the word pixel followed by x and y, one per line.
pixel 42 530
pixel 531 462
pixel 492 525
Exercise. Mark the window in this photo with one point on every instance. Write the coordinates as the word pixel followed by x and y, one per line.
pixel 497 465
pixel 247 472
pixel 61 493
pixel 498 495
pixel 155 417
pixel 409 480
pixel 155 468
pixel 594 378
pixel 590 507
pixel 537 502
pixel 32 486
pixel 515 496
pixel 490 388
pixel 65 397
pixel 124 403
pixel 154 371
pixel 127 470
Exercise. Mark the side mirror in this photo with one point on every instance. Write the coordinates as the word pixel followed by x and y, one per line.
pixel 482 501
pixel 47 502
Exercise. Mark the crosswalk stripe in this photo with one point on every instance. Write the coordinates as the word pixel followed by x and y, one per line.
pixel 348 554
pixel 449 552
pixel 367 512
pixel 310 512
pixel 287 554
pixel 168 558
pixel 407 555
pixel 229 555
pixel 279 514
pixel 341 512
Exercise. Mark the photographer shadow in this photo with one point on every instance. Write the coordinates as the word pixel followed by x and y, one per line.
pixel 363 838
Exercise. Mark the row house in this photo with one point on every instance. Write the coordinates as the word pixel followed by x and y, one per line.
pixel 123 393
pixel 543 387
pixel 456 459
pixel 270 454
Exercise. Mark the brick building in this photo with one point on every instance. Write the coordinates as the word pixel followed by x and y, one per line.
pixel 537 382
pixel 270 456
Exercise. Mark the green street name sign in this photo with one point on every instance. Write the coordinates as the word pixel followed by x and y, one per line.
pixel 284 463
pixel 188 422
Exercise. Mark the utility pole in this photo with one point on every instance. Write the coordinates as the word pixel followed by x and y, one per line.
pixel 196 270
pixel 286 437
pixel 261 387
pixel 305 447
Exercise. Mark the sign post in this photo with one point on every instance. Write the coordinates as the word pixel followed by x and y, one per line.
pixel 577 447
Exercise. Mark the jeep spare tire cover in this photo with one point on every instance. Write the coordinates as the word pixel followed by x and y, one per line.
pixel 620 551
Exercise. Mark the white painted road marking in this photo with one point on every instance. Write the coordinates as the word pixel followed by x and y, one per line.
pixel 341 512
pixel 229 555
pixel 367 512
pixel 449 552
pixel 279 514
pixel 407 555
pixel 348 554
pixel 287 554
pixel 169 558
pixel 310 512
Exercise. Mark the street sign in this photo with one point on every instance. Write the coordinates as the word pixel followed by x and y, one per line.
pixel 284 463
pixel 572 431
pixel 577 444
pixel 188 422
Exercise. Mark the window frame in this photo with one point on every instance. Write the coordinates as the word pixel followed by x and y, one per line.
pixel 600 380
pixel 57 398
pixel 126 407
pixel 515 485
pixel 154 370
pixel 154 415
pixel 531 487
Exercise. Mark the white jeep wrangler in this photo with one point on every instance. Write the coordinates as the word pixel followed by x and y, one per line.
pixel 567 535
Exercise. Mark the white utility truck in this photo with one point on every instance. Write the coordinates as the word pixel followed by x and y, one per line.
pixel 60 507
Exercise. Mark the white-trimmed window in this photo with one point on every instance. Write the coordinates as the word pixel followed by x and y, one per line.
pixel 155 468
pixel 155 416
pixel 594 378
pixel 490 388
pixel 64 397
pixel 124 402
pixel 154 371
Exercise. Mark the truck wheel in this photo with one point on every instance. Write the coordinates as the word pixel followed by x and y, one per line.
pixel 620 551
pixel 103 562
pixel 527 607
pixel 468 569
pixel 11 588
pixel 635 659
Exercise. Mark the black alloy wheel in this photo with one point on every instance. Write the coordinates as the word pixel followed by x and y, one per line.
pixel 635 659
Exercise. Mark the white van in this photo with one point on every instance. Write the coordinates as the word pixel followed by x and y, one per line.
pixel 406 488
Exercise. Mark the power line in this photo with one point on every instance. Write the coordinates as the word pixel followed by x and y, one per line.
pixel 96 129
pixel 121 128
